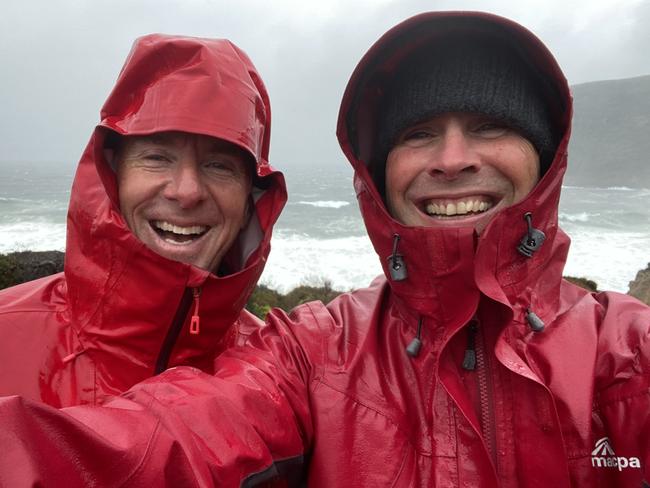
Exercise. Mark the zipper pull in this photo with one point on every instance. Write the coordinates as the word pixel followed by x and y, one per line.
pixel 195 321
pixel 469 361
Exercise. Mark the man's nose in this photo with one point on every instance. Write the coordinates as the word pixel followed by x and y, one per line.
pixel 186 187
pixel 453 155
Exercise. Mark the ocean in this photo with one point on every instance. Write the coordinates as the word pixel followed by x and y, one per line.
pixel 320 236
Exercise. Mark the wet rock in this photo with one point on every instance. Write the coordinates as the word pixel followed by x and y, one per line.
pixel 640 286
pixel 583 282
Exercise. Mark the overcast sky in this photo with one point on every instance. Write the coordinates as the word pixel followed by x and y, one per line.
pixel 60 58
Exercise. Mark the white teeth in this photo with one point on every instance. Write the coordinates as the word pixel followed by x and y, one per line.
pixel 185 231
pixel 458 208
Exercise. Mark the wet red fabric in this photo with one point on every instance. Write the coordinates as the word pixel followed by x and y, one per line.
pixel 329 392
pixel 101 325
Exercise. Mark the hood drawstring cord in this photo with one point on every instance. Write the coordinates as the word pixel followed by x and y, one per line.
pixel 534 322
pixel 195 322
pixel 469 361
pixel 533 239
pixel 413 349
pixel 396 264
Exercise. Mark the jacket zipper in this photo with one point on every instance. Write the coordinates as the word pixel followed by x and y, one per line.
pixel 189 295
pixel 196 321
pixel 485 395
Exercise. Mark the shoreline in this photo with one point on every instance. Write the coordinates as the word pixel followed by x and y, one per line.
pixel 22 266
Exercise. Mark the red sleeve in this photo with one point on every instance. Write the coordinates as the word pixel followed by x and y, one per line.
pixel 249 425
pixel 624 373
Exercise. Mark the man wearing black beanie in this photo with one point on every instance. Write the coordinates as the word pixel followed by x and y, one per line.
pixel 470 363
pixel 469 74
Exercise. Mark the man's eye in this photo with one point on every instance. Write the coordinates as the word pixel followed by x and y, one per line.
pixel 491 129
pixel 156 157
pixel 219 167
pixel 417 137
pixel 417 134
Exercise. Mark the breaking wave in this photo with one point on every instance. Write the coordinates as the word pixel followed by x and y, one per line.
pixel 32 236
pixel 578 217
pixel 325 203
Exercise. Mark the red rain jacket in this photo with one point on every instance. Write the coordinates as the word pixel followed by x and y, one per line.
pixel 331 389
pixel 120 313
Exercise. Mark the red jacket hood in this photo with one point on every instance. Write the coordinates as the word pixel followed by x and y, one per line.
pixel 122 295
pixel 449 269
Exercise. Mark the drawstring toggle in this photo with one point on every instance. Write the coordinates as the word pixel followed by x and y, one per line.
pixel 533 239
pixel 534 322
pixel 413 349
pixel 396 264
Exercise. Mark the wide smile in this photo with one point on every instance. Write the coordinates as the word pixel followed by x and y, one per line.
pixel 178 235
pixel 463 208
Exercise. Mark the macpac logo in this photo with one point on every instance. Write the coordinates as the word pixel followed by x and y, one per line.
pixel 603 457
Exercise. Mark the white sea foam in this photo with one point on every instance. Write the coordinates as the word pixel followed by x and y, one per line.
pixel 32 236
pixel 325 203
pixel 621 188
pixel 579 217
pixel 611 259
pixel 346 262
pixel 12 199
pixel 600 188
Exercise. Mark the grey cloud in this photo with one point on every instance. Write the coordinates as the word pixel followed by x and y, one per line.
pixel 61 58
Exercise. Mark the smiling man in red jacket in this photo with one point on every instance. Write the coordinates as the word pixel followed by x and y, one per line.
pixel 471 362
pixel 169 226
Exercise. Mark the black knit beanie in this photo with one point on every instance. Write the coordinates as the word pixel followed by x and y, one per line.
pixel 466 74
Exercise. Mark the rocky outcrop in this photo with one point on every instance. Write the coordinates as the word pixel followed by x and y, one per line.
pixel 585 283
pixel 18 267
pixel 640 286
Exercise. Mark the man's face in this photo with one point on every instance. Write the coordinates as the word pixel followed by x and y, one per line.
pixel 458 169
pixel 184 195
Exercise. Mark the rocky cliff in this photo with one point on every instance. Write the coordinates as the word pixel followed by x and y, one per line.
pixel 640 286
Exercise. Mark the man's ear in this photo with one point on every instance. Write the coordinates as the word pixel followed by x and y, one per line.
pixel 113 144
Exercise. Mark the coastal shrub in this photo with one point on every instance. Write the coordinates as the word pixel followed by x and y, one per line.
pixel 8 271
pixel 307 293
pixel 264 298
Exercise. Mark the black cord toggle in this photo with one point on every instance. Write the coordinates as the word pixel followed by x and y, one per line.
pixel 413 349
pixel 533 239
pixel 534 322
pixel 396 264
